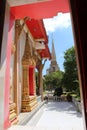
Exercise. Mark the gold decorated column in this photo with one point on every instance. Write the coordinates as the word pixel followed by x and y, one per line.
pixel 18 31
pixel 25 77
pixel 28 101
pixel 12 105
pixel 15 75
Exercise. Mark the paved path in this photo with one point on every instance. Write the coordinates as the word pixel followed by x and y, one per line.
pixel 61 115
pixel 55 116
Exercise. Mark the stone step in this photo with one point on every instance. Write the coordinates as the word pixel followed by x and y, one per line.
pixel 25 117
pixel 42 128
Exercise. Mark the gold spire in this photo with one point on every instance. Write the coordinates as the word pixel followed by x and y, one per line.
pixel 53 65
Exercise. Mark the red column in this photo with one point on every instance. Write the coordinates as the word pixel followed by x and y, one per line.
pixel 34 80
pixel 7 74
pixel 31 80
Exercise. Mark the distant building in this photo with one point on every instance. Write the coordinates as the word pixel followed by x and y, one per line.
pixel 53 65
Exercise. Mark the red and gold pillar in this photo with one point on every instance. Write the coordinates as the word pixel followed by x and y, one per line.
pixel 32 81
pixel 28 98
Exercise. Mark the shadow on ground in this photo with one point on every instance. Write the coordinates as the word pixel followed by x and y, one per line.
pixel 67 107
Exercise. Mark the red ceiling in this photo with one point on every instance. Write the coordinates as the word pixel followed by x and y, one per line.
pixel 37 29
pixel 41 10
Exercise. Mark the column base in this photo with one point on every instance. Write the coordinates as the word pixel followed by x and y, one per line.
pixel 13 116
pixel 28 104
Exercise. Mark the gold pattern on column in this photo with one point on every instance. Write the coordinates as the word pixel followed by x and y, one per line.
pixel 13 116
pixel 13 49
pixel 28 102
pixel 19 26
pixel 15 76
pixel 18 31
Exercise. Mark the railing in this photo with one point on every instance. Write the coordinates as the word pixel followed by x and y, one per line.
pixel 39 98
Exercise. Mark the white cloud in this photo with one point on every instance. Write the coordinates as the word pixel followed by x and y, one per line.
pixel 59 21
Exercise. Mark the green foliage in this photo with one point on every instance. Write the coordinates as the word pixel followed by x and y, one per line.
pixel 70 77
pixel 53 80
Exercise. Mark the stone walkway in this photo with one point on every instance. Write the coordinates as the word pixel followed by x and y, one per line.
pixel 54 116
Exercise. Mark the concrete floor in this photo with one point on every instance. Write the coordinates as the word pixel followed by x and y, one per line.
pixel 54 116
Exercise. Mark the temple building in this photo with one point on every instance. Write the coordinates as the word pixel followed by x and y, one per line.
pixel 53 65
pixel 28 48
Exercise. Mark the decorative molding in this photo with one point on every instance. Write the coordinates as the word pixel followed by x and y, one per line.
pixel 23 2
pixel 40 40
pixel 20 25
pixel 39 46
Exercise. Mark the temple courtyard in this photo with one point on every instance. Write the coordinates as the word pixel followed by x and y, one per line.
pixel 54 116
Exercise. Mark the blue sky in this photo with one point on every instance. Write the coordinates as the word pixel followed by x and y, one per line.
pixel 60 29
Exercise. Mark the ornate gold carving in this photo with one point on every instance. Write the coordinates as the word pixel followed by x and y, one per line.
pixel 28 58
pixel 19 26
pixel 12 114
pixel 13 48
pixel 28 102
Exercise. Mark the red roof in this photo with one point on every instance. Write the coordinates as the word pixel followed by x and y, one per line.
pixel 38 31
pixel 45 53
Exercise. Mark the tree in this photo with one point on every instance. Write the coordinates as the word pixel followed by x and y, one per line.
pixel 70 76
pixel 53 80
